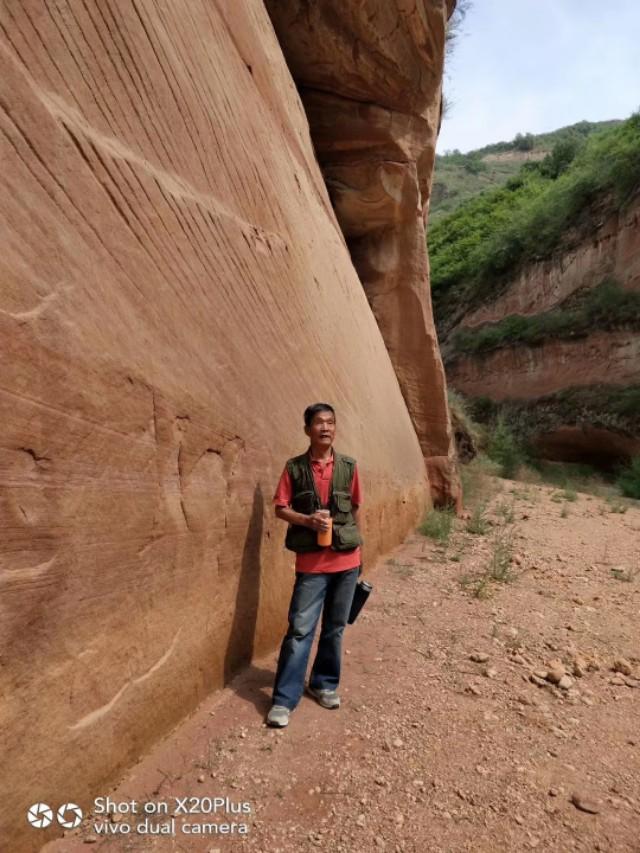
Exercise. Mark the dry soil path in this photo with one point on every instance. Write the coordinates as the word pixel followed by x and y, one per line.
pixel 452 735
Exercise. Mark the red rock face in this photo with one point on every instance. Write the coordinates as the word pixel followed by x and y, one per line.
pixel 175 290
pixel 521 373
pixel 370 78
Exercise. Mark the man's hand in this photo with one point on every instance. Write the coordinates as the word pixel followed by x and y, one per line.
pixel 313 522
pixel 318 521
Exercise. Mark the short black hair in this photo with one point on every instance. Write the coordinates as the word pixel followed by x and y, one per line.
pixel 311 411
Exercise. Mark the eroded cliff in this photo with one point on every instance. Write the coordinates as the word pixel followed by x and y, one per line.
pixel 559 345
pixel 175 290
pixel 370 78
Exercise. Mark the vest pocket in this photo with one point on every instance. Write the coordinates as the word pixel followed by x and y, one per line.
pixel 304 502
pixel 343 506
pixel 347 536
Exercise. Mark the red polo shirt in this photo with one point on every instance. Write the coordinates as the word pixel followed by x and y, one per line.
pixel 326 560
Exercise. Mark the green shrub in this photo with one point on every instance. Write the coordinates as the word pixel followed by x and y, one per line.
pixel 504 449
pixel 563 154
pixel 459 410
pixel 499 566
pixel 438 524
pixel 629 481
pixel 523 142
pixel 478 523
pixel 566 495
pixel 482 409
pixel 615 505
pixel 506 511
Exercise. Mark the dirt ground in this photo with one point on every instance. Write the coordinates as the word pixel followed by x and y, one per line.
pixel 452 735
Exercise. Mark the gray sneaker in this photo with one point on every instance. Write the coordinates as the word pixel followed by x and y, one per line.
pixel 326 698
pixel 278 716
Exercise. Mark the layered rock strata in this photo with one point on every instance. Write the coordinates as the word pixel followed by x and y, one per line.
pixel 527 372
pixel 605 360
pixel 370 79
pixel 610 248
pixel 175 290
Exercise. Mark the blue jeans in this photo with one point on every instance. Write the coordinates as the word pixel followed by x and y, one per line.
pixel 310 592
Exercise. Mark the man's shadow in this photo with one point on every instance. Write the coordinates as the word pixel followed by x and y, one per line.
pixel 250 681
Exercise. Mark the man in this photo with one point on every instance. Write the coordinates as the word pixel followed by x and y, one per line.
pixel 326 576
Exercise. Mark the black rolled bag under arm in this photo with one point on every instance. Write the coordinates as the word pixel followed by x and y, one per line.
pixel 360 595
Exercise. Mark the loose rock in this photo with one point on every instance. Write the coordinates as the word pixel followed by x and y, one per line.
pixel 622 666
pixel 556 671
pixel 585 803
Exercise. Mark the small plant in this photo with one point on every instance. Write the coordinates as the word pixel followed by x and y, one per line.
pixel 505 450
pixel 438 524
pixel 506 512
pixel 629 480
pixel 499 567
pixel 402 569
pixel 616 505
pixel 497 570
pixel 478 523
pixel 476 477
pixel 458 554
pixel 621 573
pixel 565 495
pixel 479 587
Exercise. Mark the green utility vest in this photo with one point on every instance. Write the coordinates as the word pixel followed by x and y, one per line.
pixel 305 499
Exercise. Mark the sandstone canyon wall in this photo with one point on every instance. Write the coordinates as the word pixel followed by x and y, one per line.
pixel 569 390
pixel 175 290
pixel 370 78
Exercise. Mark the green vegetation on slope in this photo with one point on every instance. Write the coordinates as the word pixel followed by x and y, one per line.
pixel 458 177
pixel 606 306
pixel 610 407
pixel 530 141
pixel 473 249
pixel 629 480
pixel 508 428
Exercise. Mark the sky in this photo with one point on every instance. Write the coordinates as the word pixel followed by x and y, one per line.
pixel 530 66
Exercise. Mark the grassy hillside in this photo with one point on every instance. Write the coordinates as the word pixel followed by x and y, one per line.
pixel 478 246
pixel 458 177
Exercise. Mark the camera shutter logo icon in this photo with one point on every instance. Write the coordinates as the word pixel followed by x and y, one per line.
pixel 69 815
pixel 40 815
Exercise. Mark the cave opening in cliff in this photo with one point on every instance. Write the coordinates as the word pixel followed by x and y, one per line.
pixel 602 449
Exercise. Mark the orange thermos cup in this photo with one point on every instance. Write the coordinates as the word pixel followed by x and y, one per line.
pixel 324 536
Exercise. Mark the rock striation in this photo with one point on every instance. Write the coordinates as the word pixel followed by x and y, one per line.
pixel 175 290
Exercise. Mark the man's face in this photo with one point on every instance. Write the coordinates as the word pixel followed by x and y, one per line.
pixel 322 430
